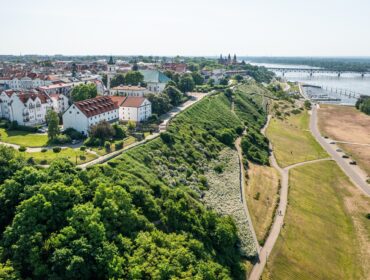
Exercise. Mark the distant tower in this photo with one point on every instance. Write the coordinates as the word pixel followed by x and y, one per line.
pixel 229 59
pixel 234 60
pixel 111 71
pixel 221 60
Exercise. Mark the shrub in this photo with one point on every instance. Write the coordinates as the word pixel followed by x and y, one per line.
pixel 118 145
pixel 203 180
pixel 107 146
pixel 61 139
pixel 31 161
pixel 83 148
pixel 239 130
pixel 44 150
pixel 73 133
pixel 257 196
pixel 120 132
pixel 92 142
pixel 153 118
pixel 225 136
pixel 368 216
pixel 57 149
pixel 307 105
pixel 82 157
pixel 295 111
pixel 219 168
pixel 167 138
pixel 22 149
pixel 43 162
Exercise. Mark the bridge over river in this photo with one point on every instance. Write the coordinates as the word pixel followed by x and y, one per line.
pixel 312 71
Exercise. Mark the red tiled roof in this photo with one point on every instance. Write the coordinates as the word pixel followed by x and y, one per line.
pixel 96 106
pixel 133 101
pixel 118 100
pixel 24 97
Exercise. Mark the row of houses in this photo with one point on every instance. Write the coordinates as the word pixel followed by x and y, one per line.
pixel 29 108
pixel 84 114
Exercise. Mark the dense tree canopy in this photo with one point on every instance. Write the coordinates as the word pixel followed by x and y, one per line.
pixel 83 92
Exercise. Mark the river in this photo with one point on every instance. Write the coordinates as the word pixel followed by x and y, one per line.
pixel 347 82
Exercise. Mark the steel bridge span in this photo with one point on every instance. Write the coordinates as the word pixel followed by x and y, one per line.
pixel 312 71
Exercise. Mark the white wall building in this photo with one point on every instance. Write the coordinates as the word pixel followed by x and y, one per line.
pixel 128 91
pixel 60 102
pixel 133 108
pixel 82 115
pixel 27 108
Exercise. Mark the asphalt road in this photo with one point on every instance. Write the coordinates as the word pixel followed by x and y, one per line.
pixel 351 171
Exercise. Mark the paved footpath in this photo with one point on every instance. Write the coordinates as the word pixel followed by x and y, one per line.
pixel 356 175
pixel 278 223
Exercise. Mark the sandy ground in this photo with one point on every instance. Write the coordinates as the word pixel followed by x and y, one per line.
pixel 344 123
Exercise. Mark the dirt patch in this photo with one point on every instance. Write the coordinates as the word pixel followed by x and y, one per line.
pixel 359 153
pixel 344 123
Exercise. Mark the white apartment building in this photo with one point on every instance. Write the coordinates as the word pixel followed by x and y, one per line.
pixel 60 102
pixel 27 108
pixel 133 108
pixel 82 115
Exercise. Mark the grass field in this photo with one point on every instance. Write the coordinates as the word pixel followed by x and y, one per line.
pixel 262 194
pixel 345 123
pixel 23 138
pixel 319 240
pixel 292 141
pixel 101 151
pixel 68 153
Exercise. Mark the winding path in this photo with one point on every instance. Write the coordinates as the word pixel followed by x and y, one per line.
pixel 278 223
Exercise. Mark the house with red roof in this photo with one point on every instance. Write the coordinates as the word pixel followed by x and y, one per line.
pixel 27 108
pixel 82 115
pixel 135 108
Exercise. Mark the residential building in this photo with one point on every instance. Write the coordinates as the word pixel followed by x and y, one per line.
pixel 133 108
pixel 156 81
pixel 176 67
pixel 82 115
pixel 128 90
pixel 27 108
pixel 60 102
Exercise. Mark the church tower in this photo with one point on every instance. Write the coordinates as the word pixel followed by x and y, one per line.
pixel 111 71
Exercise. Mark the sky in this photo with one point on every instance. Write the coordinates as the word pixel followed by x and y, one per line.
pixel 187 27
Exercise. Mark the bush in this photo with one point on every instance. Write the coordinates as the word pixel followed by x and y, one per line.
pixel 307 105
pixel 43 162
pixel 257 196
pixel 83 148
pixel 31 161
pixel 44 150
pixel 61 139
pixel 219 168
pixel 255 147
pixel 120 132
pixel 73 134
pixel 57 149
pixel 239 130
pixel 118 145
pixel 107 146
pixel 153 118
pixel 167 138
pixel 22 149
pixel 92 142
pixel 203 180
pixel 82 157
pixel 226 136
pixel 367 216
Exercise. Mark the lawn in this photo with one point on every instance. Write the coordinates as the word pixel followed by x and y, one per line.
pixel 262 196
pixel 23 138
pixel 319 239
pixel 292 141
pixel 345 123
pixel 68 153
pixel 101 151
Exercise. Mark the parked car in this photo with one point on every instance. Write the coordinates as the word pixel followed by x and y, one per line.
pixel 353 162
pixel 345 156
pixel 41 130
pixel 339 150
pixel 326 137
pixel 332 143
